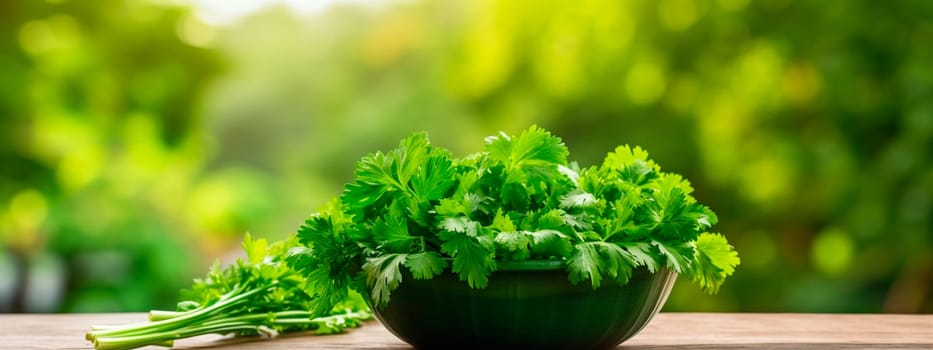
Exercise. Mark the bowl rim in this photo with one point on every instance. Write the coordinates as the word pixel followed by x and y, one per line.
pixel 530 265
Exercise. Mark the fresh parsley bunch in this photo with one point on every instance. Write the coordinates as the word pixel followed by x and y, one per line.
pixel 419 208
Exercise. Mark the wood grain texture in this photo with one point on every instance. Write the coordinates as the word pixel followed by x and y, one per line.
pixel 666 331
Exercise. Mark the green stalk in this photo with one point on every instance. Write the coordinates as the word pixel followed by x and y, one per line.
pixel 180 321
pixel 159 315
pixel 135 341
pixel 258 323
pixel 262 316
pixel 163 331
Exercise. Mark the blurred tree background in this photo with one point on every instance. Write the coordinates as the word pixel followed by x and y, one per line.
pixel 140 140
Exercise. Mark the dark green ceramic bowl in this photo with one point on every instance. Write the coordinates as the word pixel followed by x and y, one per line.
pixel 527 305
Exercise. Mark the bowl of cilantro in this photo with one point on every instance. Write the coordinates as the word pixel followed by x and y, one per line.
pixel 513 245
pixel 510 247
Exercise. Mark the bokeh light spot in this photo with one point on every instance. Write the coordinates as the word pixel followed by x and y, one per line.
pixel 194 32
pixel 487 60
pixel 54 135
pixel 801 83
pixel 766 181
pixel 77 169
pixel 28 209
pixel 733 5
pixel 559 67
pixel 758 75
pixel 645 82
pixel 832 251
pixel 38 37
pixel 677 15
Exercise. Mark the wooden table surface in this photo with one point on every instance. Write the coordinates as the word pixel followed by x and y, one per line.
pixel 666 331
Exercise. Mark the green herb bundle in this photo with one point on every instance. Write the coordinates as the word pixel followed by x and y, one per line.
pixel 419 208
pixel 260 295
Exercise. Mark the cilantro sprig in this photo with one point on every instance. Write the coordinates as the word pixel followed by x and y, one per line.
pixel 419 208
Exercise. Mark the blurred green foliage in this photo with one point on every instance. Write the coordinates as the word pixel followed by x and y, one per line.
pixel 100 146
pixel 139 143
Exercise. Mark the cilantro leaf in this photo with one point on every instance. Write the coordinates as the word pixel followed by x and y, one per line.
pixel 668 181
pixel 577 199
pixel 584 265
pixel 552 219
pixel 502 223
pixel 450 207
pixel 715 261
pixel 374 177
pixel 460 224
pixel 383 275
pixel 515 242
pixel 593 259
pixel 256 250
pixel 677 255
pixel 534 146
pixel 618 263
pixel 472 262
pixel 425 265
pixel 626 156
pixel 409 156
pixel 435 177
pixel 641 255
pixel 391 233
pixel 548 243
pixel 632 164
